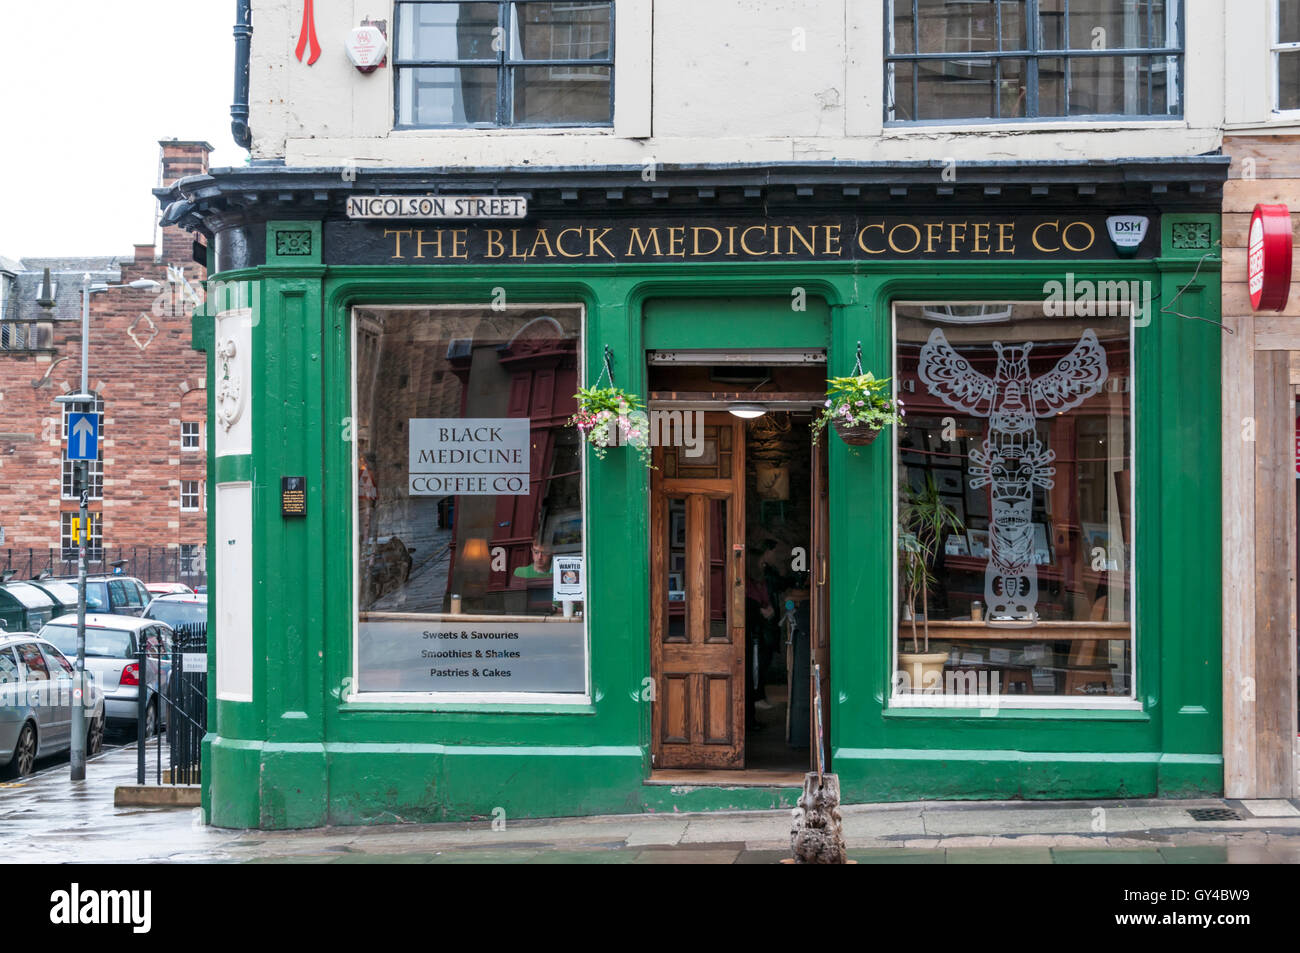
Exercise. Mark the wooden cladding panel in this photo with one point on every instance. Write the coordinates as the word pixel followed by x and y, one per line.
pixel 1275 561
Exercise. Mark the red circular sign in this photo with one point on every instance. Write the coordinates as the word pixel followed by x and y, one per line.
pixel 1268 257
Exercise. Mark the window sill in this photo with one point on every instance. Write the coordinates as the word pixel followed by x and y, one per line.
pixel 482 705
pixel 426 132
pixel 1276 121
pixel 1054 709
pixel 1072 124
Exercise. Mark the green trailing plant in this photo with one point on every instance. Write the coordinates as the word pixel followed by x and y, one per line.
pixel 610 417
pixel 858 400
pixel 924 520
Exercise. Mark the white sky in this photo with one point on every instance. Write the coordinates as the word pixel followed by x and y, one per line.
pixel 83 102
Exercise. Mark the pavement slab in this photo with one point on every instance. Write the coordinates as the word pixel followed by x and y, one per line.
pixel 48 819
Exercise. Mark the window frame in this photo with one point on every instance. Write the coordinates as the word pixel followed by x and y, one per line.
pixel 1131 702
pixel 1276 49
pixel 470 701
pixel 1032 55
pixel 26 337
pixel 198 436
pixel 95 470
pixel 197 495
pixel 94 553
pixel 503 63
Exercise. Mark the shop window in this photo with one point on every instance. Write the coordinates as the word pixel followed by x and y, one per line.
pixel 1013 519
pixel 1000 60
pixel 470 524
pixel 95 468
pixel 1286 55
pixel 504 64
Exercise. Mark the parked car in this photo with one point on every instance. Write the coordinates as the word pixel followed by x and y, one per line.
pixel 36 698
pixel 113 594
pixel 166 588
pixel 179 609
pixel 112 642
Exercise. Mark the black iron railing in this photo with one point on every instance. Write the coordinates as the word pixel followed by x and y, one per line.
pixel 148 563
pixel 174 698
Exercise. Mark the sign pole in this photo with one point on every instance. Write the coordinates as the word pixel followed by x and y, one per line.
pixel 77 756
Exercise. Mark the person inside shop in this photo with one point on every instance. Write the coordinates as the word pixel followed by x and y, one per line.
pixel 761 634
pixel 540 567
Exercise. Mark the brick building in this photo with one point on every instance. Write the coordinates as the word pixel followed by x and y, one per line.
pixel 147 489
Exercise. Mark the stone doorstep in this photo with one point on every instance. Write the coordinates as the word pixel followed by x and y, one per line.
pixel 152 795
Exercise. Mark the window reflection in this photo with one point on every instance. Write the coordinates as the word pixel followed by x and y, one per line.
pixel 469 489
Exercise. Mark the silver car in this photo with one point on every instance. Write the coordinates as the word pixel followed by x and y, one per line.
pixel 36 700
pixel 112 642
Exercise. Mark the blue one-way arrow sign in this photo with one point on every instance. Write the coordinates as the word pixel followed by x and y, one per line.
pixel 83 436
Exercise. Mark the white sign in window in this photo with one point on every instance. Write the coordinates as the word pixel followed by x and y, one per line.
pixel 469 457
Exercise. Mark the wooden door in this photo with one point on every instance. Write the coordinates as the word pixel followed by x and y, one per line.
pixel 819 585
pixel 697 600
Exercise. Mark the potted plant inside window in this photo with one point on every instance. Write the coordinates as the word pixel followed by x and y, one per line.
pixel 924 519
pixel 611 417
pixel 858 407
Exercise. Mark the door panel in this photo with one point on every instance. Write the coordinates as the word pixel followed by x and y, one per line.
pixel 819 580
pixel 697 604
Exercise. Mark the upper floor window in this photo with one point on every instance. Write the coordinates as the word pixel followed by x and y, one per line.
pixel 504 64
pixel 1286 55
pixel 190 435
pixel 191 495
pixel 94 468
pixel 1032 59
pixel 26 336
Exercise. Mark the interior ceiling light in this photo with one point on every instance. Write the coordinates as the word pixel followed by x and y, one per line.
pixel 747 411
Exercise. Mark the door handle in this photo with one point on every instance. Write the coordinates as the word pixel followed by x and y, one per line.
pixel 821 559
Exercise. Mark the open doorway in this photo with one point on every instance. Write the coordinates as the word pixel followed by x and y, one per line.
pixel 739 569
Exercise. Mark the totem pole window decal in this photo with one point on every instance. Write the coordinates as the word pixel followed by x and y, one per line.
pixel 1018 435
pixel 1012 462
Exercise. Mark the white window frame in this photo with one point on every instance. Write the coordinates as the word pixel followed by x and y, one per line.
pixel 198 436
pixel 94 541
pixel 1277 48
pixel 1175 28
pixel 197 494
pixel 479 701
pixel 979 703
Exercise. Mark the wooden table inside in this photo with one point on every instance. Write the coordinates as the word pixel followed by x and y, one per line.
pixel 966 631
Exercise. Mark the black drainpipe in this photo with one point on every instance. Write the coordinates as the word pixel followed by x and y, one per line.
pixel 243 41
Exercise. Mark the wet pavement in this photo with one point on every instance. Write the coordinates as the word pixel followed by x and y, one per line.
pixel 48 819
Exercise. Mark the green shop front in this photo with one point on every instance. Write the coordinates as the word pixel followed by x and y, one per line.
pixel 436 600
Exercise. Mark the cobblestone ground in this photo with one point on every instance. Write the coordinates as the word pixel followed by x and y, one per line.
pixel 48 819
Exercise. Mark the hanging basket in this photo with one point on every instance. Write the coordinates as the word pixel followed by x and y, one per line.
pixel 856 435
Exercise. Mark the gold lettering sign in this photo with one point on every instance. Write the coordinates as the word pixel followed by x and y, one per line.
pixel 849 238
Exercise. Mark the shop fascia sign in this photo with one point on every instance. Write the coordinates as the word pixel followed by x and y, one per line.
pixel 372 236
pixel 434 207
